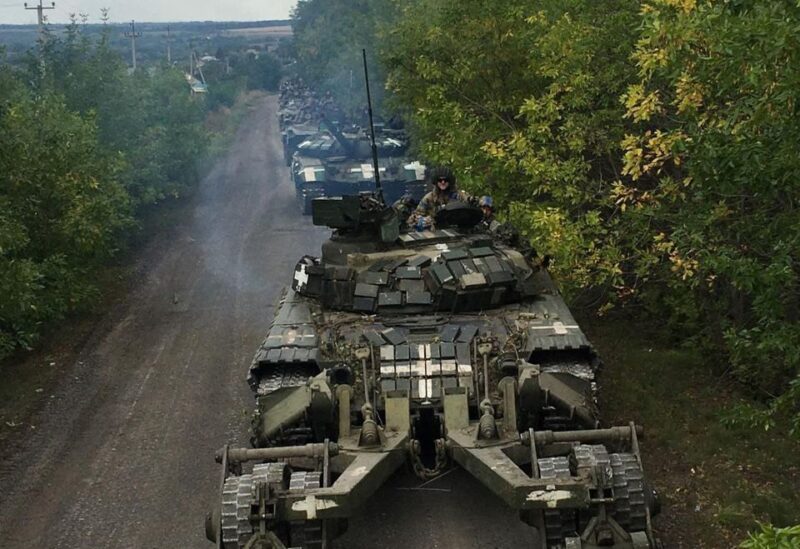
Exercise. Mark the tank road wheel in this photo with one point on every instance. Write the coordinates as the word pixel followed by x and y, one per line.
pixel 630 499
pixel 558 523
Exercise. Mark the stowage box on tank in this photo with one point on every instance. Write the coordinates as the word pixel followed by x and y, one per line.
pixel 448 347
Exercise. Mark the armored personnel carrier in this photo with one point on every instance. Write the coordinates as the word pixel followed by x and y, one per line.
pixel 443 348
pixel 334 163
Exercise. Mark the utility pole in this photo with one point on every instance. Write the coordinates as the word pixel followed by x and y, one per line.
pixel 133 35
pixel 169 48
pixel 40 16
pixel 191 58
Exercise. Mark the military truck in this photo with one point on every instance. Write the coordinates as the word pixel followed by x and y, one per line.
pixel 450 347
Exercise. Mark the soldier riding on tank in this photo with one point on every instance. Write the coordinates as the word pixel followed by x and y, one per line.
pixel 444 191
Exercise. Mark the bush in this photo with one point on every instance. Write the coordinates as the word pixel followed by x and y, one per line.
pixel 770 537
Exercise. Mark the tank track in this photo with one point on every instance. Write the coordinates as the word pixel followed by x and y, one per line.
pixel 555 420
pixel 305 480
pixel 280 376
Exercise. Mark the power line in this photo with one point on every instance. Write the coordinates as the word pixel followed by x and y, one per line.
pixel 169 47
pixel 39 15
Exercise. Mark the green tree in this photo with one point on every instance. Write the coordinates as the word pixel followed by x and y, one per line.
pixel 523 99
pixel 148 118
pixel 328 38
pixel 712 176
pixel 62 210
pixel 84 145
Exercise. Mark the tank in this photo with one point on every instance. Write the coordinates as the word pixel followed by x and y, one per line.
pixel 293 135
pixel 450 347
pixel 300 114
pixel 334 163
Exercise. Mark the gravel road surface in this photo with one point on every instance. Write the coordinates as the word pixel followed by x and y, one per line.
pixel 122 455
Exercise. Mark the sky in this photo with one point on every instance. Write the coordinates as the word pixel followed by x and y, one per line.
pixel 12 12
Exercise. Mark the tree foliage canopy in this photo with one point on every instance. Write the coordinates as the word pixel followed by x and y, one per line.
pixel 649 147
pixel 86 145
pixel 713 162
pixel 62 208
pixel 329 37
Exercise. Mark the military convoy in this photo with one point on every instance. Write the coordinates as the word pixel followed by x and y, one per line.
pixel 330 157
pixel 441 348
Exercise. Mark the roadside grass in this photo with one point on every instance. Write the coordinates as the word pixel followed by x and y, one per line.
pixel 223 123
pixel 715 481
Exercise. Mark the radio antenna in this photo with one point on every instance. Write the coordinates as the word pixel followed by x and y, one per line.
pixel 372 131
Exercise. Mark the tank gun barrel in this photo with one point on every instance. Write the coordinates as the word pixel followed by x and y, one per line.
pixel 343 141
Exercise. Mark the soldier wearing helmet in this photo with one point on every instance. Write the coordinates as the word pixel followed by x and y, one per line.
pixel 486 205
pixel 444 190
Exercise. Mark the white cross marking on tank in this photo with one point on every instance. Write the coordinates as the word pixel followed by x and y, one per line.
pixel 301 277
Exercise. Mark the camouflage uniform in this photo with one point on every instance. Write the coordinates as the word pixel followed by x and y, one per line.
pixel 490 224
pixel 436 199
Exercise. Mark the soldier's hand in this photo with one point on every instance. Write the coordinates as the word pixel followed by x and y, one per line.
pixel 423 222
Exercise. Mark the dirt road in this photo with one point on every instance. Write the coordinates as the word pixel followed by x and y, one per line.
pixel 122 456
